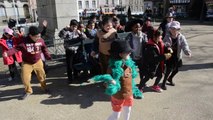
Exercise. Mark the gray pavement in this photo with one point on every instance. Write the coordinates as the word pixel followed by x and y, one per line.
pixel 190 99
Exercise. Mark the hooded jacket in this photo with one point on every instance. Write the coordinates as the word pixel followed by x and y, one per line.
pixel 154 57
pixel 181 44
pixel 18 55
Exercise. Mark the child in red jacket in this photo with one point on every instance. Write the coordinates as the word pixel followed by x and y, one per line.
pixel 8 41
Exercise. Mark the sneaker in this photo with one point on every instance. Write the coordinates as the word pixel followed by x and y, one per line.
pixel 26 95
pixel 156 88
pixel 171 82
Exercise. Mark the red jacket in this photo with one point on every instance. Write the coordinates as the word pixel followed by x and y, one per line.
pixel 18 55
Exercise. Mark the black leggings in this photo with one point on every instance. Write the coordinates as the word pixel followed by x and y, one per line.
pixel 13 69
pixel 171 71
pixel 140 67
pixel 147 77
pixel 69 61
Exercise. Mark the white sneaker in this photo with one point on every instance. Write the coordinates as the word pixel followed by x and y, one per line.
pixel 10 79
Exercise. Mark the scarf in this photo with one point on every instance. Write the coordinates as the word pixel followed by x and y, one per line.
pixel 117 73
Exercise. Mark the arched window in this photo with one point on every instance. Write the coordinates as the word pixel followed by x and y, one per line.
pixel 15 11
pixel 2 11
pixel 26 11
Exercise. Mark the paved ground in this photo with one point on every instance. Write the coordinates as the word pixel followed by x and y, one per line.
pixel 190 99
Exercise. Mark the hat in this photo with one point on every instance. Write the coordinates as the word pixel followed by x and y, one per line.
pixel 175 24
pixel 169 15
pixel 119 46
pixel 8 31
pixel 131 23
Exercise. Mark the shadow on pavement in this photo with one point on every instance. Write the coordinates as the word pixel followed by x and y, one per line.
pixel 6 95
pixel 83 94
pixel 196 66
pixel 80 92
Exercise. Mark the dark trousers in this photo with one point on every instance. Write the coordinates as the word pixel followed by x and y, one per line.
pixel 171 70
pixel 13 68
pixel 69 60
pixel 146 78
pixel 104 60
pixel 140 67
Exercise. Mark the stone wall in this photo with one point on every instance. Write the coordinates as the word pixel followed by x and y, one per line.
pixel 58 13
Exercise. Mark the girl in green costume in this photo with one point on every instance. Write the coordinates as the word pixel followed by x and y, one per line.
pixel 120 80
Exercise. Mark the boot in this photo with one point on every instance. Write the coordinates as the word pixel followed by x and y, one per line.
pixel 171 82
pixel 163 86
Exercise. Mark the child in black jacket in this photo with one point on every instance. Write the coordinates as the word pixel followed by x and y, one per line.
pixel 154 57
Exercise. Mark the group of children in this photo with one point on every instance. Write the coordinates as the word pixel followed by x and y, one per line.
pixel 143 47
pixel 153 56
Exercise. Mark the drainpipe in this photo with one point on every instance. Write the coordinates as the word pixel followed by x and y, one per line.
pixel 14 7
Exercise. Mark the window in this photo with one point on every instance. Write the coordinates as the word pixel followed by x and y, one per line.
pixel 80 4
pixel 2 11
pixel 87 4
pixel 107 2
pixel 106 10
pixel 94 4
pixel 113 3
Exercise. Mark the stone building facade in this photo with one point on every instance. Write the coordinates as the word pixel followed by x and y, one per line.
pixel 87 7
pixel 19 8
pixel 137 6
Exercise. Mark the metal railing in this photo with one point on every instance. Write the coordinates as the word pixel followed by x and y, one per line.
pixel 57 51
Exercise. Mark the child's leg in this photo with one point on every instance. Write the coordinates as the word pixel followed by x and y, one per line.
pixel 157 80
pixel 26 73
pixel 39 71
pixel 69 62
pixel 174 72
pixel 114 116
pixel 127 107
pixel 126 112
pixel 12 69
pixel 139 64
pixel 117 105
pixel 168 71
pixel 143 82
pixel 104 60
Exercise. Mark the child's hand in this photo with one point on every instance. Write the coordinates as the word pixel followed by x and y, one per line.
pixel 168 55
pixel 44 23
pixel 170 50
pixel 93 54
pixel 5 55
pixel 189 54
